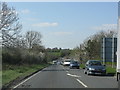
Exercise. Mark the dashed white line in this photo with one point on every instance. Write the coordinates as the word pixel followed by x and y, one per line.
pixel 73 75
pixel 67 71
pixel 82 83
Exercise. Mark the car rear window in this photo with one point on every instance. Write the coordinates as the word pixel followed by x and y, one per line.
pixel 67 61
pixel 74 62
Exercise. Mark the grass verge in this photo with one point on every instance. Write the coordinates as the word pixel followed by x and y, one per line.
pixel 82 66
pixel 0 79
pixel 110 70
pixel 16 71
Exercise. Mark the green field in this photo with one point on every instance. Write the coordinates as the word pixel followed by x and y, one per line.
pixel 14 72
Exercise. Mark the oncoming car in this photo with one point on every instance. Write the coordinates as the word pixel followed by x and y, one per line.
pixel 94 67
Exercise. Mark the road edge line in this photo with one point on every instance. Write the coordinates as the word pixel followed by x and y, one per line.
pixel 27 79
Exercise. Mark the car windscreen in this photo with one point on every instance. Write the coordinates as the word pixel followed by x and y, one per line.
pixel 95 63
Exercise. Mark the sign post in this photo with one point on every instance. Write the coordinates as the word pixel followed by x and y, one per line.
pixel 118 45
pixel 109 48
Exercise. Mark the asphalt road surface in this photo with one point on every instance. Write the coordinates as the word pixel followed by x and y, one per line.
pixel 58 76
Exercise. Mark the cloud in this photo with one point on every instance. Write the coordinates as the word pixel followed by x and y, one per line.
pixel 25 11
pixel 45 24
pixel 62 33
pixel 106 27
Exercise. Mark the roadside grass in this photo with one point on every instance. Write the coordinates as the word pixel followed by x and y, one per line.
pixel 82 66
pixel 110 70
pixel 0 79
pixel 17 71
pixel 110 63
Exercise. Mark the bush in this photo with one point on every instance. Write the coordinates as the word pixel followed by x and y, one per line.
pixel 11 56
pixel 21 56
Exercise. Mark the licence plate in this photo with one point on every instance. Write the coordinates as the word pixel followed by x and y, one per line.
pixel 97 73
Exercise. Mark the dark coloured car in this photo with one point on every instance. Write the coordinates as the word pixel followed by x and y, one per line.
pixel 94 67
pixel 74 64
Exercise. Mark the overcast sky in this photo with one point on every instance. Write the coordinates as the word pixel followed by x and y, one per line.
pixel 66 24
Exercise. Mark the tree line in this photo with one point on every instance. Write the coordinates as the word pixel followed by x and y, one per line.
pixel 17 48
pixel 91 47
pixel 21 49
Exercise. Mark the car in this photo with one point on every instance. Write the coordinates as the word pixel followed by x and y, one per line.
pixel 58 62
pixel 94 67
pixel 62 62
pixel 54 62
pixel 74 64
pixel 67 62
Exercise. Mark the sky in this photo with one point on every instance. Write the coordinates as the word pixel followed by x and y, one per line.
pixel 66 24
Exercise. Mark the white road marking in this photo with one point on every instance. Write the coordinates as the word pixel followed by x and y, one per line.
pixel 82 83
pixel 27 79
pixel 73 75
pixel 63 68
pixel 67 71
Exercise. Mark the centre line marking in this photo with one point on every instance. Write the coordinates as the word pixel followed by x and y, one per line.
pixel 82 83
pixel 73 75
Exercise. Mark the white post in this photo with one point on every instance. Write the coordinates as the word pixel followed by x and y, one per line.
pixel 113 52
pixel 103 51
pixel 118 46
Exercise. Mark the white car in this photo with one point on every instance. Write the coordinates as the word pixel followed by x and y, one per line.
pixel 54 62
pixel 66 62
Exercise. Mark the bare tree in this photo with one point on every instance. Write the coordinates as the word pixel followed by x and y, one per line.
pixel 33 38
pixel 9 24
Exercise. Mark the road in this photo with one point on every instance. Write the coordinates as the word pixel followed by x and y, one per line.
pixel 58 76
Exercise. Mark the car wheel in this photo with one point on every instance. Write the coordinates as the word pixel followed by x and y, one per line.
pixel 71 67
pixel 88 72
pixel 104 74
pixel 85 72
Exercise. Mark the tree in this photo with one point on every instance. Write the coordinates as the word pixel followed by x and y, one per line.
pixel 93 44
pixel 38 48
pixel 65 52
pixel 33 38
pixel 9 24
pixel 91 48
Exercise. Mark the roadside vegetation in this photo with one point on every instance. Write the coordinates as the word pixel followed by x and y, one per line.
pixel 82 66
pixel 90 49
pixel 23 54
pixel 111 70
pixel 13 71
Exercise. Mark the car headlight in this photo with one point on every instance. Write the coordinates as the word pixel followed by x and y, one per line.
pixel 91 69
